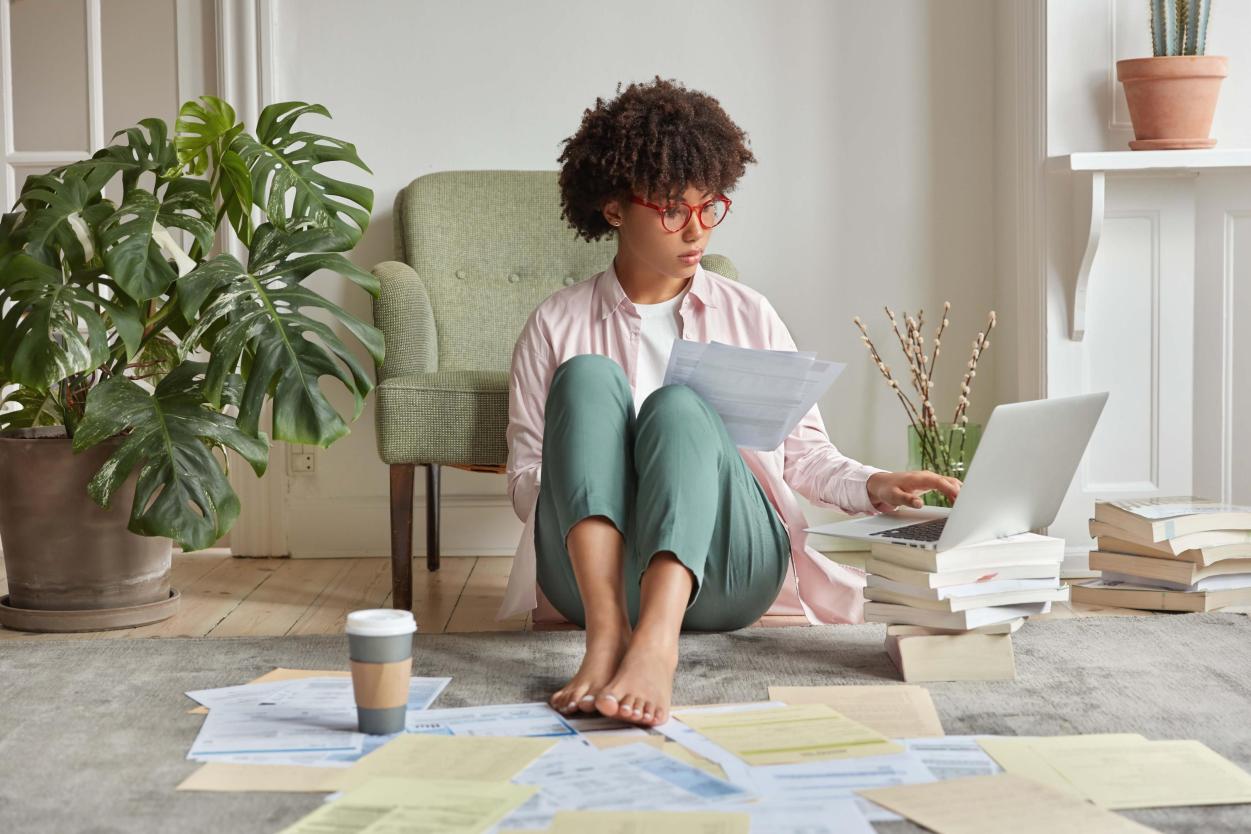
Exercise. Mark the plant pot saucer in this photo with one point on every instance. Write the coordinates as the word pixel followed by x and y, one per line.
pixel 1170 144
pixel 92 619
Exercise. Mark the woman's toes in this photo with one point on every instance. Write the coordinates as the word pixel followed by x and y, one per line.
pixel 649 712
pixel 607 704
pixel 586 703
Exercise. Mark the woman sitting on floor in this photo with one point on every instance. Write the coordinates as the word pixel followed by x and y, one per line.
pixel 646 518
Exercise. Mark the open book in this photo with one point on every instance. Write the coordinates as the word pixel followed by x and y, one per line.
pixel 760 395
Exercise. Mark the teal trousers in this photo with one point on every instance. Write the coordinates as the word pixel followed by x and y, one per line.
pixel 669 479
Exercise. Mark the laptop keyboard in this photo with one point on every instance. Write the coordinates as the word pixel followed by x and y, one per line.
pixel 926 531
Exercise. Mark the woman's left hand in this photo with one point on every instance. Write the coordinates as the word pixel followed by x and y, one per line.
pixel 888 490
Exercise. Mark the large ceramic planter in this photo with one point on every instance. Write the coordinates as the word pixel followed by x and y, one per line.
pixel 1172 99
pixel 72 566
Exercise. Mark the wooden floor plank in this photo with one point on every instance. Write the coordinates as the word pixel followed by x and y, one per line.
pixel 277 604
pixel 364 585
pixel 208 601
pixel 435 595
pixel 481 599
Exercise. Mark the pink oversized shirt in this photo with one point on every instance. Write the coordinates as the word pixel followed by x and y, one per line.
pixel 596 316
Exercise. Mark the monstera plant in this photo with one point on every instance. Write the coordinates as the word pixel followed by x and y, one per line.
pixel 123 316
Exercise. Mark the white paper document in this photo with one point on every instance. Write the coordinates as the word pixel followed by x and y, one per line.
pixel 831 816
pixel 311 693
pixel 952 757
pixel 760 395
pixel 275 730
pixel 837 779
pixel 537 719
pixel 307 721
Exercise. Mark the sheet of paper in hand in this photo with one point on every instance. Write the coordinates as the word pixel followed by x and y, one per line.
pixel 760 395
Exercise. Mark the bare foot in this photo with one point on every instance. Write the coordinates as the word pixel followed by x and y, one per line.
pixel 643 686
pixel 603 654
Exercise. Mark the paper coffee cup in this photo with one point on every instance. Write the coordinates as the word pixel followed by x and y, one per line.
pixel 380 649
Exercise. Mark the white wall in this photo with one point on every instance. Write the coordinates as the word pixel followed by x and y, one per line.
pixel 873 125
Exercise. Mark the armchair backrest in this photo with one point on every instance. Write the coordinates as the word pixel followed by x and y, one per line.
pixel 489 246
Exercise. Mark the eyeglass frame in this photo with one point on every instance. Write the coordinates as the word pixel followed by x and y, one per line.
pixel 660 211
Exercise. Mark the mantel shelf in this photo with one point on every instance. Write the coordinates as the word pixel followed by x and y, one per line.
pixel 1089 171
pixel 1181 160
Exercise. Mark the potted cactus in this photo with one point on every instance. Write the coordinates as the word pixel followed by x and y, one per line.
pixel 131 360
pixel 1172 95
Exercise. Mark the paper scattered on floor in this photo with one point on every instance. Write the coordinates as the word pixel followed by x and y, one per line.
pixel 653 822
pixel 536 719
pixel 1155 775
pixel 631 778
pixel 893 710
pixel 415 806
pixel 995 804
pixel 838 780
pixel 789 734
pixel 303 721
pixel 419 756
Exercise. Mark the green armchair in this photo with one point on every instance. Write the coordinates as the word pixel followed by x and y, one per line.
pixel 477 251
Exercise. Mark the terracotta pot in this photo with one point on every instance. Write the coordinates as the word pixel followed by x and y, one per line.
pixel 1172 99
pixel 62 551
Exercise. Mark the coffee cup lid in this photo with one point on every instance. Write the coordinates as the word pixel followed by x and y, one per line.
pixel 381 622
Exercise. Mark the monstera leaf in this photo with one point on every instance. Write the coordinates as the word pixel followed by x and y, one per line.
pixel 25 408
pixel 63 207
pixel 205 132
pixel 153 153
pixel 283 160
pixel 182 491
pixel 137 239
pixel 51 329
pixel 260 308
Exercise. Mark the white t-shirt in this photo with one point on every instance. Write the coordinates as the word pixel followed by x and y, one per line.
pixel 657 332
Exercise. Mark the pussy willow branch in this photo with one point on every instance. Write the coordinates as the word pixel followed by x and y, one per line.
pixel 966 386
pixel 914 416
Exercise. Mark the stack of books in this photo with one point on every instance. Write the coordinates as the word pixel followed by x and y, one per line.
pixel 1169 554
pixel 950 614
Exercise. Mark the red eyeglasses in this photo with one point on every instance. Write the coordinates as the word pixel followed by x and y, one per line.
pixel 677 214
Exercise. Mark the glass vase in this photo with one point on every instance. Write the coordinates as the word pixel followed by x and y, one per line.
pixel 946 449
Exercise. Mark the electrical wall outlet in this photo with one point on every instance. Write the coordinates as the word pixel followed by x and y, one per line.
pixel 301 460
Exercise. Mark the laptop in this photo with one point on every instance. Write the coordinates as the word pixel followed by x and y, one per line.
pixel 1019 475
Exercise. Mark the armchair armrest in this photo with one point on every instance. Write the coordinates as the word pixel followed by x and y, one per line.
pixel 403 313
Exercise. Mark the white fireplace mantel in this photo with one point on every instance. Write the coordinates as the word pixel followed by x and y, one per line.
pixel 1090 171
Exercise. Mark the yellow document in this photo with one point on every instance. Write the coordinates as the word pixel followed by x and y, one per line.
pixel 1156 774
pixel 416 806
pixel 1019 754
pixel 419 756
pixel 649 822
pixel 281 674
pixel 238 778
pixel 783 735
pixel 895 711
pixel 995 804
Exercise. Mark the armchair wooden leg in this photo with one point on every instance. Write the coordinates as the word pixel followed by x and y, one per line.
pixel 402 535
pixel 432 516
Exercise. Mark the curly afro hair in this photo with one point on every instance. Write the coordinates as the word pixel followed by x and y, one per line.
pixel 654 139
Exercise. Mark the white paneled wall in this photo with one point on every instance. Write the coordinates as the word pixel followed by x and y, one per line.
pixel 1163 307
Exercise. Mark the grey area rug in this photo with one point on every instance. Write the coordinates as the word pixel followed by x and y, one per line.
pixel 93 733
